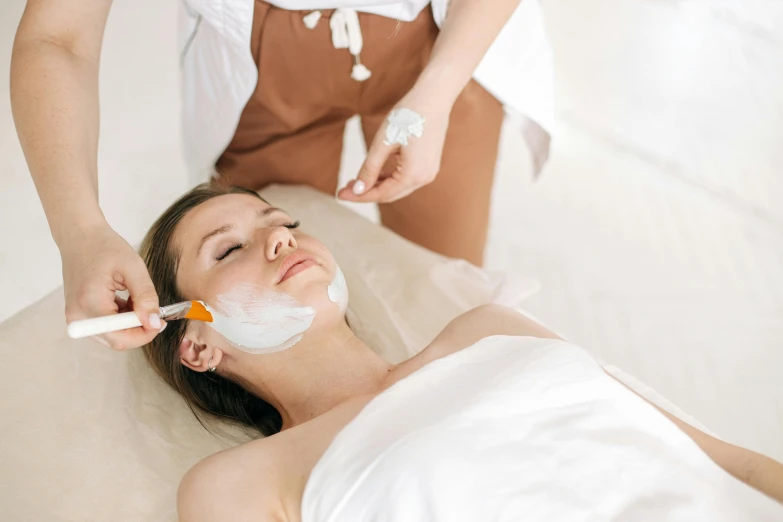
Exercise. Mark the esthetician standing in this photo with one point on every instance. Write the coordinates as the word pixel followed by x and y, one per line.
pixel 267 90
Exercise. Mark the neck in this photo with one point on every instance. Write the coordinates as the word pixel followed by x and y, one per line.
pixel 315 375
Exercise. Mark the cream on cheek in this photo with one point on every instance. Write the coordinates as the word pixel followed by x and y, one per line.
pixel 257 320
pixel 338 290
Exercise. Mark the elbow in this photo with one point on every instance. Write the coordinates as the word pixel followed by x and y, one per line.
pixel 27 45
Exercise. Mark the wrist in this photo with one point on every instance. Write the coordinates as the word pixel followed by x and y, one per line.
pixel 439 86
pixel 80 226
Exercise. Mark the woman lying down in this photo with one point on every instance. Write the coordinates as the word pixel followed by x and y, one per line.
pixel 497 419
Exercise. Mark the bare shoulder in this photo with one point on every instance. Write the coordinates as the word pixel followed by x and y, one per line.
pixel 238 484
pixel 472 326
pixel 491 319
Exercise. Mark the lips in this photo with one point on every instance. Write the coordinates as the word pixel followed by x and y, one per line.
pixel 295 263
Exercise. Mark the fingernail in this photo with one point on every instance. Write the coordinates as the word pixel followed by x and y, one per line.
pixel 155 321
pixel 358 187
pixel 163 327
pixel 100 341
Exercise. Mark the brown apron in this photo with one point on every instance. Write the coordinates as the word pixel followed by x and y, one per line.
pixel 291 130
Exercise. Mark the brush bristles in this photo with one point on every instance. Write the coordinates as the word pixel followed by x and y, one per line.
pixel 198 312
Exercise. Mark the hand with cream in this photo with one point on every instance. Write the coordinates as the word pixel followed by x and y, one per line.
pixel 406 152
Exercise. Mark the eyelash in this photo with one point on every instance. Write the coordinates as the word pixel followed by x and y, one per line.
pixel 225 254
pixel 237 246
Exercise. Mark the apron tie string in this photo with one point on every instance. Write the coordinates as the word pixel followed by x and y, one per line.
pixel 346 34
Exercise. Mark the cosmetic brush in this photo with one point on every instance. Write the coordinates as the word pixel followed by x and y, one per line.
pixel 113 323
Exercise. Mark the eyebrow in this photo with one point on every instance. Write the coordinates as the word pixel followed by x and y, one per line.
pixel 225 228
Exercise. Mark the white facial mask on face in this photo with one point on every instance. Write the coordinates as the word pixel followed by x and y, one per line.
pixel 257 320
pixel 338 290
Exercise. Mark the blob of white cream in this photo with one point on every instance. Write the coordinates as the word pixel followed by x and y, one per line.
pixel 338 290
pixel 257 320
pixel 403 123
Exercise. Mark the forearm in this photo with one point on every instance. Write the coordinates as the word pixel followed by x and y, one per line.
pixel 755 470
pixel 54 98
pixel 467 33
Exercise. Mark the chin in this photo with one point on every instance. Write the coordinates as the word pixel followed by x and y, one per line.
pixel 310 287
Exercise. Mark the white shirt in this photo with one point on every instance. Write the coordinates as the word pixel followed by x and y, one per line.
pixel 219 75
pixel 406 10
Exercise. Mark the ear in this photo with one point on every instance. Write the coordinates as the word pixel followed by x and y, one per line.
pixel 197 356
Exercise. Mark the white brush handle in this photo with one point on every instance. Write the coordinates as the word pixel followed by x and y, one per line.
pixel 100 325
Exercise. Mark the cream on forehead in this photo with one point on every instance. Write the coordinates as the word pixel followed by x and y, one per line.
pixel 257 320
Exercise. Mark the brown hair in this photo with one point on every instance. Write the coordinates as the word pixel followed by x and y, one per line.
pixel 207 391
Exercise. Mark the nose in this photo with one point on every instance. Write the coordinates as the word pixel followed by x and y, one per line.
pixel 279 243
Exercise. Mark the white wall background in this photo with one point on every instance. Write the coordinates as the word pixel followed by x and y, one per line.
pixel 656 230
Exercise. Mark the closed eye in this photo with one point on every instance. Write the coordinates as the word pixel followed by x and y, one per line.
pixel 237 246
pixel 228 251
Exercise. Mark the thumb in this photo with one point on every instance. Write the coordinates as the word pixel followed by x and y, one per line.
pixel 143 295
pixel 371 168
